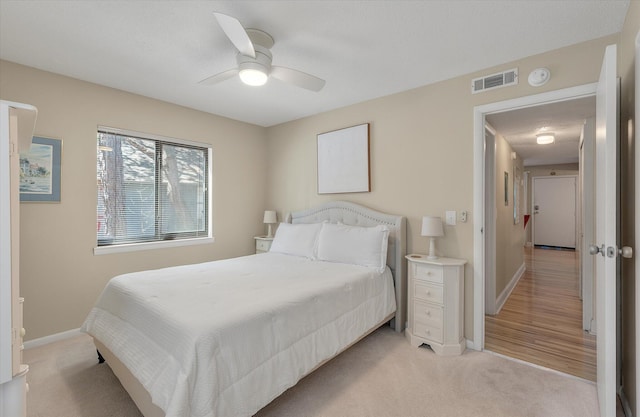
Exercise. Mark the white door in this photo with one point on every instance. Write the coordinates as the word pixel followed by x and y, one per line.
pixel 606 236
pixel 637 219
pixel 554 211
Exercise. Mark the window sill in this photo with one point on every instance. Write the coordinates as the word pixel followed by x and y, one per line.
pixel 134 247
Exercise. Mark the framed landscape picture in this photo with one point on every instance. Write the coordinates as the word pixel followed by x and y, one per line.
pixel 40 171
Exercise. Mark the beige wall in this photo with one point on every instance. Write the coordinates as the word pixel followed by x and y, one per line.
pixel 628 141
pixel 421 149
pixel 509 236
pixel 60 276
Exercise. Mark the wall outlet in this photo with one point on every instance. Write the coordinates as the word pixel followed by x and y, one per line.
pixel 451 218
pixel 463 216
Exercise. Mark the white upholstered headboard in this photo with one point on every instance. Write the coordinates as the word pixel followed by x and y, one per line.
pixel 357 215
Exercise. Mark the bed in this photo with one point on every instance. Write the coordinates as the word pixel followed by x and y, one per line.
pixel 225 338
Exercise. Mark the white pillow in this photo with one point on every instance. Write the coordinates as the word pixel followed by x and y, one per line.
pixel 296 239
pixel 365 246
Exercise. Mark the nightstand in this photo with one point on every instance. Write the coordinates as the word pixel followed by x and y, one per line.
pixel 436 304
pixel 263 243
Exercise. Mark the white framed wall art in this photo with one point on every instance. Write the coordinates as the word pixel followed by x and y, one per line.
pixel 343 160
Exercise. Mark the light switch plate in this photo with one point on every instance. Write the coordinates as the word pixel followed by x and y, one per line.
pixel 451 218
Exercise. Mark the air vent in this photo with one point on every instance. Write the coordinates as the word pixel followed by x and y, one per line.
pixel 492 81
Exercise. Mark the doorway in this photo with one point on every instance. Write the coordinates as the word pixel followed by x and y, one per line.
pixel 483 255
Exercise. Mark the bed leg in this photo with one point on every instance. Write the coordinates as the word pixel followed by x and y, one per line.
pixel 100 358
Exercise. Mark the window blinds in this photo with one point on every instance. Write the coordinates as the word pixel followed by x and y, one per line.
pixel 150 188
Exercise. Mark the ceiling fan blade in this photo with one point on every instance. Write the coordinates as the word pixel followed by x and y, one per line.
pixel 236 34
pixel 214 79
pixel 299 78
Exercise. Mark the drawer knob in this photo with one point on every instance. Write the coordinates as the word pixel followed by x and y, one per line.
pixel 428 312
pixel 23 331
pixel 427 331
pixel 428 292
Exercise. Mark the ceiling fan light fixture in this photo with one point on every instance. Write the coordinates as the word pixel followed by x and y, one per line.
pixel 255 71
pixel 545 139
pixel 254 59
pixel 253 76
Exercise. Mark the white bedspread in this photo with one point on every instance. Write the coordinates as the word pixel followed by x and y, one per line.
pixel 225 338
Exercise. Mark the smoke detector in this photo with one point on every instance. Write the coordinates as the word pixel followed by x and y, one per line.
pixel 539 76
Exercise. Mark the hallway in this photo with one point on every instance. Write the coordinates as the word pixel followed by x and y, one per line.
pixel 541 322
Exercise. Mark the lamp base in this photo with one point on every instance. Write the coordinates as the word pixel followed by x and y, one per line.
pixel 269 233
pixel 432 249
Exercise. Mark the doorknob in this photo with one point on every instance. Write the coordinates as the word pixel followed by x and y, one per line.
pixel 626 252
pixel 594 250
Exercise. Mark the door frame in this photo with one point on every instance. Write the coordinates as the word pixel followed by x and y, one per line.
pixel 479 246
pixel 588 226
pixel 490 220
pixel 637 210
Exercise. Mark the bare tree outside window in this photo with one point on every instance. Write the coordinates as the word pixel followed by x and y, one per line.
pixel 150 190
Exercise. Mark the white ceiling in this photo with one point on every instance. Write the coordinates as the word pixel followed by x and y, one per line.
pixel 363 49
pixel 564 119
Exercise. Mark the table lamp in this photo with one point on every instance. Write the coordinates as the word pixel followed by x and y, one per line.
pixel 269 219
pixel 432 227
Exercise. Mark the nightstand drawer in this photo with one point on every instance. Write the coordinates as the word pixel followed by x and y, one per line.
pixel 263 245
pixel 429 273
pixel 428 292
pixel 427 313
pixel 427 331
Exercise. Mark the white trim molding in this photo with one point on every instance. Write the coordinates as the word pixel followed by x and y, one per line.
pixel 41 341
pixel 506 292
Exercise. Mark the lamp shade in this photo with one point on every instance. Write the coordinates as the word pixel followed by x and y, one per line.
pixel 270 217
pixel 432 226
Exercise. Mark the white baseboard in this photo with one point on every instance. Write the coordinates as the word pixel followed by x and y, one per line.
pixel 528 244
pixel 504 295
pixel 52 338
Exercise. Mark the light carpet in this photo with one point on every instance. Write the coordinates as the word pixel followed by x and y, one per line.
pixel 381 376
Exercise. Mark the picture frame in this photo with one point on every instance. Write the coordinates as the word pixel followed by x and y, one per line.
pixel 343 160
pixel 40 169
pixel 516 195
pixel 506 188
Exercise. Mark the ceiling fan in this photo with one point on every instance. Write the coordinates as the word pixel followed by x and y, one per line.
pixel 254 58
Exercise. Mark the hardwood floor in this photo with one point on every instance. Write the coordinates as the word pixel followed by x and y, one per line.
pixel 541 322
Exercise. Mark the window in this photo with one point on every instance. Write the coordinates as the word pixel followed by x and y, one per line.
pixel 151 189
